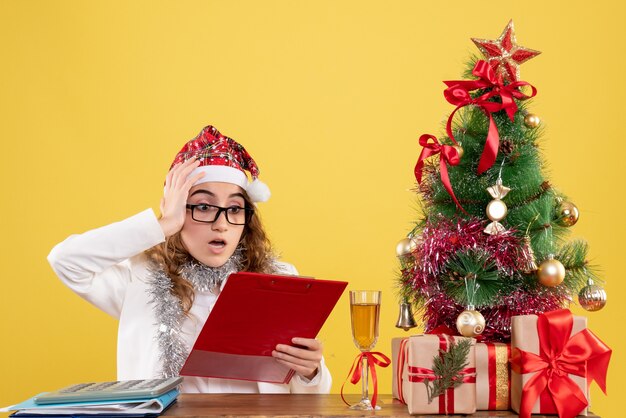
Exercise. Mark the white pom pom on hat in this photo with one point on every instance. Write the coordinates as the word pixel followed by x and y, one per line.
pixel 223 159
pixel 258 191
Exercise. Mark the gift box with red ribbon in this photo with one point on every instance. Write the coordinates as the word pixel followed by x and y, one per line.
pixel 396 372
pixel 493 376
pixel 435 374
pixel 554 359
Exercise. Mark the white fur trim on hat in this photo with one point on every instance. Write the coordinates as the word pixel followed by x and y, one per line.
pixel 221 173
pixel 258 191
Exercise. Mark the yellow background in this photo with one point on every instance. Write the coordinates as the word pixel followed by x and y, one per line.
pixel 328 96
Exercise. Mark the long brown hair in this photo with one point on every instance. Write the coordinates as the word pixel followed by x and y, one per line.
pixel 171 255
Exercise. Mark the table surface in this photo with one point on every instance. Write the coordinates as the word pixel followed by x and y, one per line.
pixel 272 405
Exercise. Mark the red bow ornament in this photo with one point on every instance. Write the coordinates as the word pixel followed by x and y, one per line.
pixel 560 356
pixel 448 156
pixel 458 94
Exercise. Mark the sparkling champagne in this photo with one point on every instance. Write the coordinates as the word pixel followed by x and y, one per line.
pixel 365 324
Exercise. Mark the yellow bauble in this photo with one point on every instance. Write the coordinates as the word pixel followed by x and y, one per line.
pixel 470 323
pixel 496 210
pixel 406 246
pixel 532 121
pixel 458 149
pixel 551 272
pixel 568 214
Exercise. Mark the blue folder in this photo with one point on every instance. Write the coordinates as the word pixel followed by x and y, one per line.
pixel 131 408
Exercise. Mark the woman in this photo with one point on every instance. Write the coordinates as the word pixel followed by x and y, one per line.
pixel 162 276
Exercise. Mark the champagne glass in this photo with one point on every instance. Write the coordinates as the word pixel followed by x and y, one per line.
pixel 364 312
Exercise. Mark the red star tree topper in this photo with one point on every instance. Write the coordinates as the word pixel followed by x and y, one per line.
pixel 504 55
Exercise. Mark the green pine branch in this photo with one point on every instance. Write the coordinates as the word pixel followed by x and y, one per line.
pixel 484 283
pixel 447 367
pixel 573 256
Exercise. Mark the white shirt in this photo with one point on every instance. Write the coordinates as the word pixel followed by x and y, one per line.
pixel 108 268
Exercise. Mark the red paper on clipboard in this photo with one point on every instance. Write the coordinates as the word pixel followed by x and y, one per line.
pixel 253 313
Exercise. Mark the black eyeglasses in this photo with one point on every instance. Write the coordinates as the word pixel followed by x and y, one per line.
pixel 235 215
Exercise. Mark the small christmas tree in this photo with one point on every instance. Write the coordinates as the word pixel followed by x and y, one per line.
pixel 490 244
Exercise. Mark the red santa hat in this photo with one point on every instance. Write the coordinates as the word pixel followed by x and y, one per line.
pixel 223 159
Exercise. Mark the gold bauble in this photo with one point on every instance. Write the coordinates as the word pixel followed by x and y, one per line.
pixel 551 272
pixel 568 214
pixel 459 150
pixel 592 297
pixel 470 323
pixel 496 210
pixel 406 246
pixel 532 121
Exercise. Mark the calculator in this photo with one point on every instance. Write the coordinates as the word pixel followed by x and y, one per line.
pixel 106 391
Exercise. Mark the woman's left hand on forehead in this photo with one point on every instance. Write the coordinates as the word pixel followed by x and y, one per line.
pixel 177 185
pixel 305 361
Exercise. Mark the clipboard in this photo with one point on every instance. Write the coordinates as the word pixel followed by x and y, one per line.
pixel 253 314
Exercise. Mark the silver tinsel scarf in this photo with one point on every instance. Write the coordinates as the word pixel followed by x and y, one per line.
pixel 168 310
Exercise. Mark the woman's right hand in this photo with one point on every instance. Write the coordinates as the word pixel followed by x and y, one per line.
pixel 177 186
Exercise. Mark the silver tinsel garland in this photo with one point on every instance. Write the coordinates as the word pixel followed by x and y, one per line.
pixel 168 310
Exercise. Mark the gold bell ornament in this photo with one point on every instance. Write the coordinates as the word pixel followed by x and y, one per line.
pixel 406 321
pixel 551 272
pixel 592 297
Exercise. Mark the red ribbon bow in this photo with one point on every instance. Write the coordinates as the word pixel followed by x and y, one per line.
pixel 357 367
pixel 449 155
pixel 443 329
pixel 458 94
pixel 582 355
